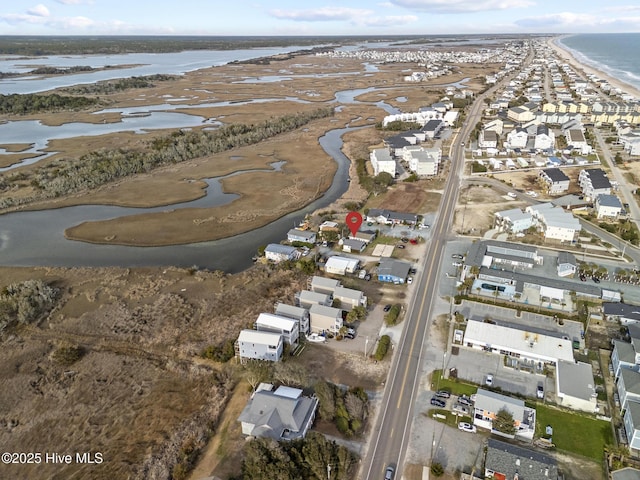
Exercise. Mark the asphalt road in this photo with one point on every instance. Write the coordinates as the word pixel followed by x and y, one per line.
pixel 391 433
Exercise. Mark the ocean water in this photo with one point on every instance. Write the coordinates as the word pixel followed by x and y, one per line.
pixel 616 54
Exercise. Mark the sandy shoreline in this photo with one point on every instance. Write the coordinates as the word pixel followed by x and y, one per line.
pixel 566 55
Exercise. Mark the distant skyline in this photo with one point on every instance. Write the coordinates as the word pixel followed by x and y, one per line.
pixel 313 17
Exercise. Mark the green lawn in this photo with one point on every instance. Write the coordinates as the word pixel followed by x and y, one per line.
pixel 450 385
pixel 574 432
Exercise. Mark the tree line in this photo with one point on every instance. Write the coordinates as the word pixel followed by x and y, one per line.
pixel 107 87
pixel 100 167
pixel 21 104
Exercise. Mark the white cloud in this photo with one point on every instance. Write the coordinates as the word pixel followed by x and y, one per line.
pixel 570 21
pixel 461 6
pixel 389 21
pixel 321 14
pixel 39 11
pixel 75 2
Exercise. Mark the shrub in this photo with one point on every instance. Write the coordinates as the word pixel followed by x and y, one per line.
pixel 342 424
pixel 383 347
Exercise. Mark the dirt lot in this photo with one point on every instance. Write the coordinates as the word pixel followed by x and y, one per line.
pixel 476 206
pixel 141 391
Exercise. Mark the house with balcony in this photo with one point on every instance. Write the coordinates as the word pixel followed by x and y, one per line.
pixel 325 319
pixel 513 220
pixel 625 356
pixel 517 138
pixel 382 161
pixel 628 386
pixel 488 404
pixel 306 236
pixel 555 180
pixel 594 182
pixel 252 344
pixel 307 298
pixel 324 285
pixel 545 138
pixel 631 420
pixel 487 139
pixel 555 222
pixel 566 264
pixel 349 298
pixel 607 206
pixel 277 253
pixel 280 414
pixel 299 314
pixel 287 327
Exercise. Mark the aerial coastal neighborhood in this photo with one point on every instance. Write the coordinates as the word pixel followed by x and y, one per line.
pixel 467 307
pixel 530 289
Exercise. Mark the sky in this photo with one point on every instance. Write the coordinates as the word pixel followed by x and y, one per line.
pixel 315 17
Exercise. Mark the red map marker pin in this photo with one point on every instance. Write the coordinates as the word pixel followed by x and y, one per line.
pixel 354 220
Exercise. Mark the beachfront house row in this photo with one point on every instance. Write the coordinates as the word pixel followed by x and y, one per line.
pixel 299 314
pixel 277 253
pixel 575 386
pixel 306 236
pixel 283 414
pixel 287 327
pixel 489 403
pixel 382 161
pixel 325 319
pixel 608 206
pixel 252 344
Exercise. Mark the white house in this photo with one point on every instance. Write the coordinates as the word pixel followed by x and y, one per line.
pixel 513 220
pixel 341 265
pixel 278 253
pixel 566 264
pixel 252 344
pixel 608 206
pixel 382 161
pixel 555 222
pixel 545 138
pixel 295 235
pixel 631 420
pixel 593 182
pixel 575 386
pixel 299 314
pixel 325 319
pixel 287 327
pixel 517 138
pixel 555 180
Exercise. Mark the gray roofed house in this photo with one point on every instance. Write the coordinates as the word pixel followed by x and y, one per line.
pixel 515 462
pixel 608 206
pixel 489 403
pixel 296 235
pixel 352 245
pixel 575 386
pixel 278 253
pixel 301 315
pixel 631 419
pixel 555 179
pixel 567 264
pixel 622 312
pixel 389 216
pixel 393 271
pixel 627 473
pixel 628 385
pixel 283 414
pixel 324 285
pixel 624 356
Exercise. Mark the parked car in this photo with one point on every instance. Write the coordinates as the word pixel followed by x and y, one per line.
pixel 489 380
pixel 467 427
pixel 401 246
pixel 458 256
pixel 595 279
pixel 404 239
pixel 583 278
pixel 443 394
pixel 413 271
pixel 457 264
pixel 512 194
pixel 409 280
pixel 464 400
pixel 463 409
pixel 438 403
pixel 540 391
pixel 367 277
pixel 387 307
pixel 388 474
